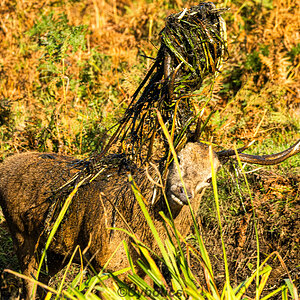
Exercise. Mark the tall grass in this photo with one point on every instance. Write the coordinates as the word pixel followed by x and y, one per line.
pixel 65 104
pixel 175 280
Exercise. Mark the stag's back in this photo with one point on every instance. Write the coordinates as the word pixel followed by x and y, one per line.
pixel 28 183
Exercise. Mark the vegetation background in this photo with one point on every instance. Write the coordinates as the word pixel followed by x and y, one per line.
pixel 68 70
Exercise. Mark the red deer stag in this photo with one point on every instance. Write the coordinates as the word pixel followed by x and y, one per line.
pixel 26 180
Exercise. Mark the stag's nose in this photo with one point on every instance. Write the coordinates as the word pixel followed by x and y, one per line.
pixel 185 196
pixel 189 194
pixel 179 195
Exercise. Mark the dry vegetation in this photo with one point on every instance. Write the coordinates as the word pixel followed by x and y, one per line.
pixel 68 69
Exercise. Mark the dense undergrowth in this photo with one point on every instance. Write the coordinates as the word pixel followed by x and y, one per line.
pixel 69 68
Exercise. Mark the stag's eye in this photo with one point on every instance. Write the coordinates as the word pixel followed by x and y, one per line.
pixel 209 180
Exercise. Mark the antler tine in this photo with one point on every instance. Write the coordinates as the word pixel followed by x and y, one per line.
pixel 272 159
pixel 228 153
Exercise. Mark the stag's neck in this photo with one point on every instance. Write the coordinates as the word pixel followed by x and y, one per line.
pixel 181 215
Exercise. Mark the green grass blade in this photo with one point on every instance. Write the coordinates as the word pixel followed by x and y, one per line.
pixel 65 273
pixel 216 196
pixel 55 227
pixel 292 289
pixel 254 220
pixel 99 279
pixel 129 257
pixel 273 293
pixel 264 278
pixel 140 200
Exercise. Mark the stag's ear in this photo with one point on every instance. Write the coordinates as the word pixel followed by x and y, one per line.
pixel 272 159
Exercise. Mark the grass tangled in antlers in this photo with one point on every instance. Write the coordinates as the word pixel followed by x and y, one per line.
pixel 193 43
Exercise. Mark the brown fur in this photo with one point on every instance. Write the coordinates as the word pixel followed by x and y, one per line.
pixel 26 182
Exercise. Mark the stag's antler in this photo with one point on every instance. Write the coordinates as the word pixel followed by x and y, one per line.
pixel 272 159
pixel 228 153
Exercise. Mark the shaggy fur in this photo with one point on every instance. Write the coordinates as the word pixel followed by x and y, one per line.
pixel 26 182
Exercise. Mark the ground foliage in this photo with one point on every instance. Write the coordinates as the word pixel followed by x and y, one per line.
pixel 64 101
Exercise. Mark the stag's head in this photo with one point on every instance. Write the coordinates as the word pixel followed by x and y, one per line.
pixel 195 168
